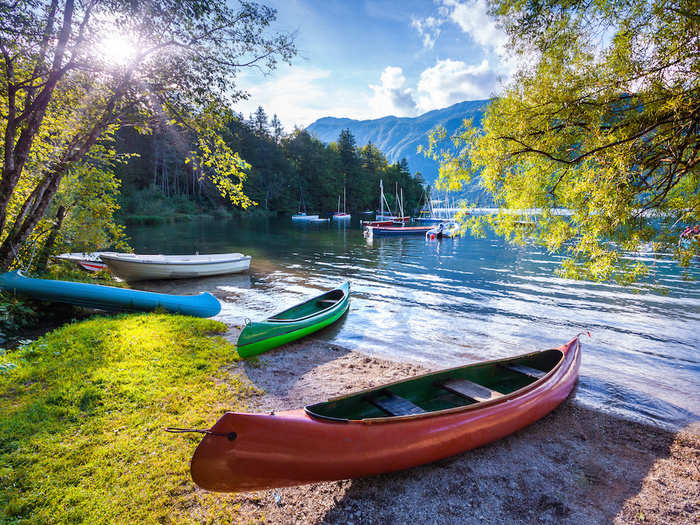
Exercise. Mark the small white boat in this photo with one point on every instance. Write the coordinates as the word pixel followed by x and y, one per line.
pixel 133 267
pixel 341 215
pixel 444 229
pixel 301 216
pixel 89 261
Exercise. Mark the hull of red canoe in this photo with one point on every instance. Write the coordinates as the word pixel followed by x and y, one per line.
pixel 291 448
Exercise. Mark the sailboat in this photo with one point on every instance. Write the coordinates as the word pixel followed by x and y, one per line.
pixel 301 215
pixel 341 215
pixel 382 219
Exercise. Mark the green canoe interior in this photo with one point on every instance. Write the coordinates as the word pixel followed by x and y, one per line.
pixel 443 390
pixel 310 307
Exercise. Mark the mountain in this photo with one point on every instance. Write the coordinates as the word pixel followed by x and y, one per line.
pixel 400 137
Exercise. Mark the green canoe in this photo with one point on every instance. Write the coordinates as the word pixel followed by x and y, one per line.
pixel 294 323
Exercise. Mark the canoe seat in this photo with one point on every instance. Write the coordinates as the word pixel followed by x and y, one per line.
pixel 526 370
pixel 471 390
pixel 327 301
pixel 395 405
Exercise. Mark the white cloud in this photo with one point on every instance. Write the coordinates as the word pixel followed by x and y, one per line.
pixel 390 97
pixel 429 29
pixel 299 96
pixel 473 18
pixel 451 81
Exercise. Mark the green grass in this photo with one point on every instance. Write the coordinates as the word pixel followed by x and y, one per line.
pixel 82 413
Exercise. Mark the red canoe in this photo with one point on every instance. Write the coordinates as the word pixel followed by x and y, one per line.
pixel 384 429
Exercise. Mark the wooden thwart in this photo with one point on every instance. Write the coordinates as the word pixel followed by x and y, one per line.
pixel 466 388
pixel 526 370
pixel 395 405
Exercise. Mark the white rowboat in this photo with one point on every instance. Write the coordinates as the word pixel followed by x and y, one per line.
pixel 133 267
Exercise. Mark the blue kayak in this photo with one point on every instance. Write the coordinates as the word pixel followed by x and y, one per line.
pixel 109 297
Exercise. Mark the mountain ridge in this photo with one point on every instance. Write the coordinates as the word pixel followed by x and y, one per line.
pixel 399 137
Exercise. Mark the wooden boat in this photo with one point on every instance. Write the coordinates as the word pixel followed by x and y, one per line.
pixel 397 230
pixel 87 261
pixel 132 267
pixel 109 297
pixel 294 323
pixel 388 428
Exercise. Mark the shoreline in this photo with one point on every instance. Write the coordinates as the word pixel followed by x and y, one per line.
pixel 576 465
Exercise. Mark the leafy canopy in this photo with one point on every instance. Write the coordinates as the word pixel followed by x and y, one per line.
pixel 72 72
pixel 601 120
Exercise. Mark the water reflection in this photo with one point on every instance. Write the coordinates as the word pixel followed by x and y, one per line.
pixel 462 300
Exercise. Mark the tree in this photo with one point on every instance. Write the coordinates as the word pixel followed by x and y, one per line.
pixel 602 119
pixel 277 130
pixel 259 121
pixel 72 72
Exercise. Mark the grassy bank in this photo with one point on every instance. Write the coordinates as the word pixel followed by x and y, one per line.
pixel 82 412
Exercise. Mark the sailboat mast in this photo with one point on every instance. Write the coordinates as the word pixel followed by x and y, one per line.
pixel 381 196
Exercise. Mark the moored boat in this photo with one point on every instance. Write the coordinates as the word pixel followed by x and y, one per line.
pixel 444 229
pixel 301 217
pixel 376 223
pixel 133 267
pixel 109 297
pixel 392 427
pixel 342 215
pixel 89 261
pixel 294 323
pixel 396 230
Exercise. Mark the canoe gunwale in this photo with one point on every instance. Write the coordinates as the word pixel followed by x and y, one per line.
pixel 304 318
pixel 473 406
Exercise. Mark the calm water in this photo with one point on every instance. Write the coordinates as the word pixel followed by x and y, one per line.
pixel 445 303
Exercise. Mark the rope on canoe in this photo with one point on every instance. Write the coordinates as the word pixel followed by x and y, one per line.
pixel 175 430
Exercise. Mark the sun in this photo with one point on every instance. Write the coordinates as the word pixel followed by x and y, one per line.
pixel 118 49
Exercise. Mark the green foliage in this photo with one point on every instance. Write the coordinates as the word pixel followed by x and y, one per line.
pixel 15 314
pixel 602 120
pixel 71 73
pixel 82 418
pixel 68 271
pixel 284 172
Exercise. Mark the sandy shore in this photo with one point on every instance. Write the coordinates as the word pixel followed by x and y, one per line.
pixel 575 466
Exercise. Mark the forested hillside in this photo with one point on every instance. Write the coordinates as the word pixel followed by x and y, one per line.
pixel 286 172
pixel 399 138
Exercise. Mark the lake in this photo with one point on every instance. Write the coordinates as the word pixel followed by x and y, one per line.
pixel 455 301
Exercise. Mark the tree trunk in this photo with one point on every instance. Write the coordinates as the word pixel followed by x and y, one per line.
pixel 48 247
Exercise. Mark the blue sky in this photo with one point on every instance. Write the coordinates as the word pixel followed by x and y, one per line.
pixel 367 59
